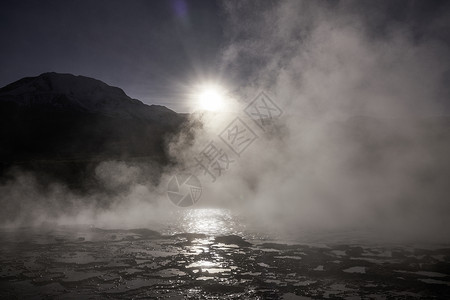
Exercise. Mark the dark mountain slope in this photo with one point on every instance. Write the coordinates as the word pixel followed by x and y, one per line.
pixel 53 121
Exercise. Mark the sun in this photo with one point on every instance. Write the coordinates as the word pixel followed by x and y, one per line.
pixel 210 97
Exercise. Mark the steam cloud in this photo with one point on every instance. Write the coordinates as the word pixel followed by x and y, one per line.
pixel 361 145
pixel 360 152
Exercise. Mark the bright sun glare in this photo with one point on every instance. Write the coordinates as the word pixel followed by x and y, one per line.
pixel 211 97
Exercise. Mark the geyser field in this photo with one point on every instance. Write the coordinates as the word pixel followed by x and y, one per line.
pixel 225 149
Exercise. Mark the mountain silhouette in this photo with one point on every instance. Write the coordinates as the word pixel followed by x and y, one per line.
pixel 60 123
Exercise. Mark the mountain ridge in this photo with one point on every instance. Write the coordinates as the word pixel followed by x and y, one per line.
pixel 63 91
pixel 61 126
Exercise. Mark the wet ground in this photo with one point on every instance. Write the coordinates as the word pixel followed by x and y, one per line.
pixel 91 263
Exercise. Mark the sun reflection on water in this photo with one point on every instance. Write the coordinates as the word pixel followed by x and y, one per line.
pixel 209 221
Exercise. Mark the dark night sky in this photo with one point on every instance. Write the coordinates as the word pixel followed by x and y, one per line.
pixel 153 49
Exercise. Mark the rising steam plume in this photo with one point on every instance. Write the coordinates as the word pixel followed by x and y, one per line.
pixel 363 141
